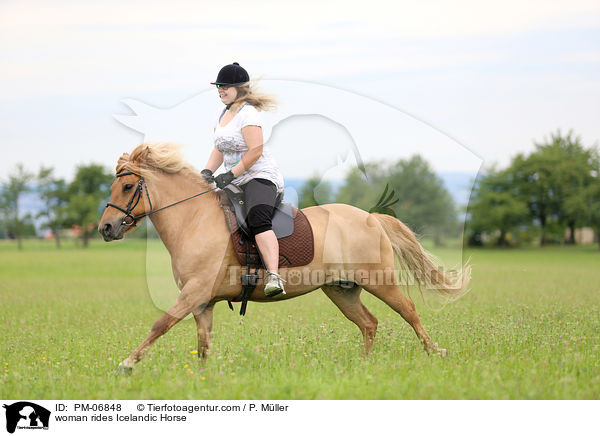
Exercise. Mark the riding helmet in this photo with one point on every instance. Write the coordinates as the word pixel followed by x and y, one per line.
pixel 232 75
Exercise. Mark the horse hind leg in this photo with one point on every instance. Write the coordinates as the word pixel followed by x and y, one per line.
pixel 393 296
pixel 348 301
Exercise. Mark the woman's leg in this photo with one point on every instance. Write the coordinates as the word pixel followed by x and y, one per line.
pixel 260 196
pixel 269 249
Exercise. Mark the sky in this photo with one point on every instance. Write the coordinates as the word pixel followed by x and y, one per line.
pixel 465 83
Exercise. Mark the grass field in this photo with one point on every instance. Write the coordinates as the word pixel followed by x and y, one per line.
pixel 529 329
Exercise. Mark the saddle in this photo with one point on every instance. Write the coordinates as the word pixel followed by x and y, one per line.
pixel 292 228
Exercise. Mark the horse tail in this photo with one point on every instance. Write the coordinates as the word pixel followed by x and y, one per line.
pixel 415 261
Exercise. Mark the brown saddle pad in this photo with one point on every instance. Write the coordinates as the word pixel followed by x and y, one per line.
pixel 298 249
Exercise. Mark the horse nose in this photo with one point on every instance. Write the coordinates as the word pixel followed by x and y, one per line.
pixel 107 229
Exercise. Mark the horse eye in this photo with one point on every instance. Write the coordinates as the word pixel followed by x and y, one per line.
pixel 127 187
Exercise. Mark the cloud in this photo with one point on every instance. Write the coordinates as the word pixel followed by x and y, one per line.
pixel 383 18
pixel 57 48
pixel 494 74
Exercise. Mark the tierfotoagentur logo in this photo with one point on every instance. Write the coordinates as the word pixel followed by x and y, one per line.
pixel 26 416
pixel 321 132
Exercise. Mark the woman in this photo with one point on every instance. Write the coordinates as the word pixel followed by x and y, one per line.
pixel 239 145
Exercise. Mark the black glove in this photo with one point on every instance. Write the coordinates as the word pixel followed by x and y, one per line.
pixel 207 175
pixel 224 179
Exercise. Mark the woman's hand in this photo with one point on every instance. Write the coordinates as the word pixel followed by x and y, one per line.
pixel 207 175
pixel 224 179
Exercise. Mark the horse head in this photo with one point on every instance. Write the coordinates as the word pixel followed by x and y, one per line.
pixel 130 199
pixel 127 204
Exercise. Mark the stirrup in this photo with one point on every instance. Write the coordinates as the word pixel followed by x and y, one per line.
pixel 275 288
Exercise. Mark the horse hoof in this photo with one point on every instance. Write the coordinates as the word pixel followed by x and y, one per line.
pixel 123 370
pixel 443 352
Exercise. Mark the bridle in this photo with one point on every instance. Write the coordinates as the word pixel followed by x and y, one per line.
pixel 130 219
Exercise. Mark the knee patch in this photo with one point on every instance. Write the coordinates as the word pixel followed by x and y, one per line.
pixel 259 218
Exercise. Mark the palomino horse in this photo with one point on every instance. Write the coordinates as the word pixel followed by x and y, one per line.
pixel 351 246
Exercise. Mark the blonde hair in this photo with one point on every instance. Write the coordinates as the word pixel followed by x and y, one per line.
pixel 250 94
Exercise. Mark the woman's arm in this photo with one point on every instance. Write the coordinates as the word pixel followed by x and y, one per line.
pixel 254 140
pixel 215 160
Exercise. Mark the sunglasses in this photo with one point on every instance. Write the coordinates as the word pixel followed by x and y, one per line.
pixel 224 87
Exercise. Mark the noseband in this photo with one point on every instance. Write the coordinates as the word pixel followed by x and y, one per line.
pixel 130 219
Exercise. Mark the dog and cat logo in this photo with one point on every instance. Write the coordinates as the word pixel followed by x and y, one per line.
pixel 26 415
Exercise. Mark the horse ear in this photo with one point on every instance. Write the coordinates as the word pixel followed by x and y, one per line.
pixel 142 156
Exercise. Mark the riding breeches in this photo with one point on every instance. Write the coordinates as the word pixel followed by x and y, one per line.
pixel 260 196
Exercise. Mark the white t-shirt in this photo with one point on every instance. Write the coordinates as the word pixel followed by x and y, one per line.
pixel 229 141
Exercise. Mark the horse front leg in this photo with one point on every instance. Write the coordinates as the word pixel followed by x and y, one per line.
pixel 204 323
pixel 191 297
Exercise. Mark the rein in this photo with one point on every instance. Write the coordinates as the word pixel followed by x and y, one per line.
pixel 137 196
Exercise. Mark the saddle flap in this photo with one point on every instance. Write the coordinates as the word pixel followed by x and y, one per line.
pixel 236 201
pixel 283 219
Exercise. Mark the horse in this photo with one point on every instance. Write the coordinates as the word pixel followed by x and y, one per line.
pixel 353 250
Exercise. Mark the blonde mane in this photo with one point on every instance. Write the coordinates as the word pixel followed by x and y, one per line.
pixel 149 159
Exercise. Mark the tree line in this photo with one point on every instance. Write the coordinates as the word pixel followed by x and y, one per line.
pixel 415 194
pixel 539 195
pixel 64 205
pixel 536 198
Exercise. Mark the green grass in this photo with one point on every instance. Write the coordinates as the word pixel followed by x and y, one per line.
pixel 529 329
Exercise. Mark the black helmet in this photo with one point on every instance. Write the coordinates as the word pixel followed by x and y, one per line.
pixel 232 75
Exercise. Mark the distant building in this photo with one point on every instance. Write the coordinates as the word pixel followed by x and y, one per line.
pixel 584 235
